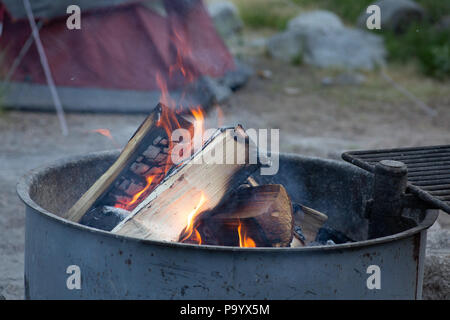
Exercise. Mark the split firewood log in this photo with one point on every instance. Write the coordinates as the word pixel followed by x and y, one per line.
pixel 198 185
pixel 140 167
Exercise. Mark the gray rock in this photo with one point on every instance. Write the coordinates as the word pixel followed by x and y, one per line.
pixel 235 79
pixel 327 81
pixel 257 43
pixel 265 74
pixel 320 20
pixel 344 48
pixel 214 89
pixel 345 79
pixel 291 91
pixel 320 39
pixel 226 18
pixel 444 23
pixel 396 15
pixel 286 46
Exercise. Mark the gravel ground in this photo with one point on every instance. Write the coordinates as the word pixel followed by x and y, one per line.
pixel 29 140
pixel 314 120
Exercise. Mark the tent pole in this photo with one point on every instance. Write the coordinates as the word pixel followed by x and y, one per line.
pixel 22 54
pixel 45 66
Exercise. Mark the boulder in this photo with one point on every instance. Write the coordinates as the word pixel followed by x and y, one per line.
pixel 286 46
pixel 344 48
pixel 396 15
pixel 320 20
pixel 238 77
pixel 444 23
pixel 226 18
pixel 213 89
pixel 319 38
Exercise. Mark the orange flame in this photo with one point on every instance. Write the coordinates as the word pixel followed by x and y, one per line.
pixel 165 98
pixel 184 53
pixel 169 121
pixel 189 229
pixel 244 240
pixel 198 238
pixel 130 205
pixel 199 117
pixel 220 117
pixel 199 128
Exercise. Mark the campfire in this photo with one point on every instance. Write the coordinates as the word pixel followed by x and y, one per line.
pixel 167 186
pixel 187 209
pixel 177 181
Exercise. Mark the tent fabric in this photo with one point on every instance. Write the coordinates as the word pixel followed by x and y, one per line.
pixel 49 9
pixel 123 47
pixel 37 97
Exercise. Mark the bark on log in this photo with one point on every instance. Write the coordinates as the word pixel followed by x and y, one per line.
pixel 264 214
pixel 308 220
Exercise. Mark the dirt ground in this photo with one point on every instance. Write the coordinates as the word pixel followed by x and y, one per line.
pixel 313 119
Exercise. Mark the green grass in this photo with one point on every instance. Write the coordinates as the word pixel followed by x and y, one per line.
pixel 298 60
pixel 349 10
pixel 273 14
pixel 429 46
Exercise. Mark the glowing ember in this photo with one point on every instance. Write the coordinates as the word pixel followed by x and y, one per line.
pixel 104 132
pixel 130 205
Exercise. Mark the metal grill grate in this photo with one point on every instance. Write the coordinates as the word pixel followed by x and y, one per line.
pixel 428 170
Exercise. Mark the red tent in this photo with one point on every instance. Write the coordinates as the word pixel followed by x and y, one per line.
pixel 112 62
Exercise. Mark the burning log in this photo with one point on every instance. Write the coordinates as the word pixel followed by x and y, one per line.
pixel 252 217
pixel 200 199
pixel 198 185
pixel 142 164
pixel 307 221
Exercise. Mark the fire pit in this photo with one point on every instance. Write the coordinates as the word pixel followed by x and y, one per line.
pixel 113 266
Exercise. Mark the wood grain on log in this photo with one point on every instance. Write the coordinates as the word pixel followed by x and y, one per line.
pixel 198 185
